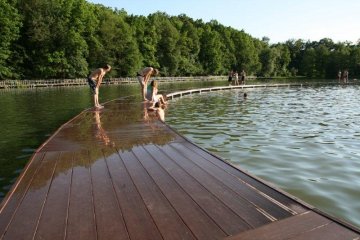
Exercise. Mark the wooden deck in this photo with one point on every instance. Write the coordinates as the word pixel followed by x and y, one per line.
pixel 119 173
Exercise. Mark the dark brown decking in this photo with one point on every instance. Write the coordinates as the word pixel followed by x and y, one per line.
pixel 112 174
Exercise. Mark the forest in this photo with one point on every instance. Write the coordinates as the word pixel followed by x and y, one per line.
pixel 47 39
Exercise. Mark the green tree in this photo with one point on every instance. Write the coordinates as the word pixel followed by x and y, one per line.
pixel 10 23
pixel 227 49
pixel 144 33
pixel 52 35
pixel 296 49
pixel 117 44
pixel 282 60
pixel 354 68
pixel 246 54
pixel 268 62
pixel 66 39
pixel 308 64
pixel 210 54
pixel 322 55
pixel 168 53
pixel 189 45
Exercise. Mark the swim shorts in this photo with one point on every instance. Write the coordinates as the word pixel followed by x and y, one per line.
pixel 92 84
pixel 140 79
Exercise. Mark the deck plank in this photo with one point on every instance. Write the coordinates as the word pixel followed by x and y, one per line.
pixel 217 183
pixel 11 202
pixel 81 217
pixel 52 224
pixel 249 180
pixel 194 216
pixel 109 220
pixel 139 222
pixel 332 231
pixel 168 221
pixel 24 222
pixel 258 210
pixel 285 229
pixel 216 209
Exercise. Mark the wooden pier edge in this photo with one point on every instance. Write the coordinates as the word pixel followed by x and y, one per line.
pixel 267 183
pixel 25 169
pixel 23 172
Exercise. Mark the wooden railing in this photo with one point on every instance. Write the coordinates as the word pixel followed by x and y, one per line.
pixel 109 81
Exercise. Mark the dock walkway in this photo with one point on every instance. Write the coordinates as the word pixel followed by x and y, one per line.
pixel 120 173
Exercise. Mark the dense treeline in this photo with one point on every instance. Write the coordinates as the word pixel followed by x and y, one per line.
pixel 41 39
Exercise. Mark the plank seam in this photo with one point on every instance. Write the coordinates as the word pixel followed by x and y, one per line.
pixel 206 189
pixel 92 196
pixel 115 195
pixel 46 196
pixel 162 193
pixel 22 198
pixel 137 189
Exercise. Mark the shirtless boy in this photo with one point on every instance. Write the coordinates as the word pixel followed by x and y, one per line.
pixel 94 81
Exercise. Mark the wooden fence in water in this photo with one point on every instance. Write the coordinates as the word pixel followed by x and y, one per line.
pixel 109 81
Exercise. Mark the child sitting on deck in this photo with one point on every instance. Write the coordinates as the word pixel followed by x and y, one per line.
pixel 155 97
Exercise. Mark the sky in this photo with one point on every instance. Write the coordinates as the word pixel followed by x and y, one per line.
pixel 279 20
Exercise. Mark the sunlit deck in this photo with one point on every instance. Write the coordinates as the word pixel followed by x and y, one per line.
pixel 119 173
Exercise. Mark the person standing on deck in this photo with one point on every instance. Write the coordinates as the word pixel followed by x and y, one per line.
pixel 236 75
pixel 94 81
pixel 346 76
pixel 143 77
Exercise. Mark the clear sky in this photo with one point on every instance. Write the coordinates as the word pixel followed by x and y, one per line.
pixel 279 20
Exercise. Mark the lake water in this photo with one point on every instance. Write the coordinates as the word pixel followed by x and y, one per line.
pixel 304 140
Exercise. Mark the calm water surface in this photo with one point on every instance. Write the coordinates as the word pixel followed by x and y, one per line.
pixel 304 140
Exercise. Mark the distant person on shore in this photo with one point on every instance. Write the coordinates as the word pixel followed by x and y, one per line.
pixel 346 76
pixel 236 75
pixel 230 76
pixel 243 77
pixel 143 77
pixel 339 76
pixel 94 80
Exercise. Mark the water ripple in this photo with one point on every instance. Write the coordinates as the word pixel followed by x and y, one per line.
pixel 305 140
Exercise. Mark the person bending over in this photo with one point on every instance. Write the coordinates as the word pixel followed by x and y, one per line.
pixel 94 81
pixel 143 77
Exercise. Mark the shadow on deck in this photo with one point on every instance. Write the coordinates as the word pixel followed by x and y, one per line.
pixel 119 173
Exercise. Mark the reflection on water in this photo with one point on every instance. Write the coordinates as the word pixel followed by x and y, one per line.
pixel 305 140
pixel 100 133
pixel 120 124
pixel 93 136
pixel 30 116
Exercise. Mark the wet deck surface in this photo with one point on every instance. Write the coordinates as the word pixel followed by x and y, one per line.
pixel 119 173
